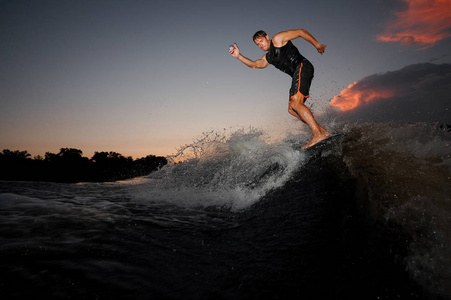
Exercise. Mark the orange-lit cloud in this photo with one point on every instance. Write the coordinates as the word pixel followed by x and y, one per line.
pixel 424 23
pixel 357 94
pixel 415 93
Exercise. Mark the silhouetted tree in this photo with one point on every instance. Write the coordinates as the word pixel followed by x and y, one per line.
pixel 70 154
pixel 52 157
pixel 68 165
pixel 100 157
pixel 12 164
pixel 14 155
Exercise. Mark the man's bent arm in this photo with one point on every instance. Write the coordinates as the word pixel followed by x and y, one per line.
pixel 282 38
pixel 258 64
pixel 309 38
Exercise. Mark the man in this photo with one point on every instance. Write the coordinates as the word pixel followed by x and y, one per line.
pixel 286 57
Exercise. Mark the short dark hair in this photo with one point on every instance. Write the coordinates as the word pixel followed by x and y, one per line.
pixel 258 34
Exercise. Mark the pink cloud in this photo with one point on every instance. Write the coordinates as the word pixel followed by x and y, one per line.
pixel 415 93
pixel 424 23
pixel 359 93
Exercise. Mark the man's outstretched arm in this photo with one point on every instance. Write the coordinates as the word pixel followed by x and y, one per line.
pixel 283 37
pixel 258 64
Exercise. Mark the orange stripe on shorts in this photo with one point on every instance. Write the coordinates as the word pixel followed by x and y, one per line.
pixel 299 83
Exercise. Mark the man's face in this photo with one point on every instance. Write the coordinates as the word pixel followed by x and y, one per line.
pixel 263 42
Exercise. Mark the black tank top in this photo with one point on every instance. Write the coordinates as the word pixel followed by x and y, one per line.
pixel 285 58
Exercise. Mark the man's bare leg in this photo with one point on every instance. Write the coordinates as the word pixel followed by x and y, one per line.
pixel 297 108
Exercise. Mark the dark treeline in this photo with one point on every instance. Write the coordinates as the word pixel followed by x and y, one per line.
pixel 70 166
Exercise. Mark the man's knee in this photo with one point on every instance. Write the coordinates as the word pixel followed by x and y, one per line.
pixel 296 102
pixel 295 106
pixel 297 98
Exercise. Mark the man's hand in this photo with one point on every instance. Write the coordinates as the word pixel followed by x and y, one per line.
pixel 321 48
pixel 259 63
pixel 234 50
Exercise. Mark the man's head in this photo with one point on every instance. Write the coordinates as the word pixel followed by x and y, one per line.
pixel 261 39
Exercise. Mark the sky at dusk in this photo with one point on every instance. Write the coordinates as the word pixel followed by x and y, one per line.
pixel 146 77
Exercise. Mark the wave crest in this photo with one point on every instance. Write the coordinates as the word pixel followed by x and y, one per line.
pixel 232 171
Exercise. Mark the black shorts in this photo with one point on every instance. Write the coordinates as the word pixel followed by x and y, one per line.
pixel 302 79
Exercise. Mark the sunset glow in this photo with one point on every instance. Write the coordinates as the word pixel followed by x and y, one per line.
pixel 147 77
pixel 357 94
pixel 424 23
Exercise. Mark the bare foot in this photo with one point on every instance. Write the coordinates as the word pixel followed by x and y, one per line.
pixel 316 140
